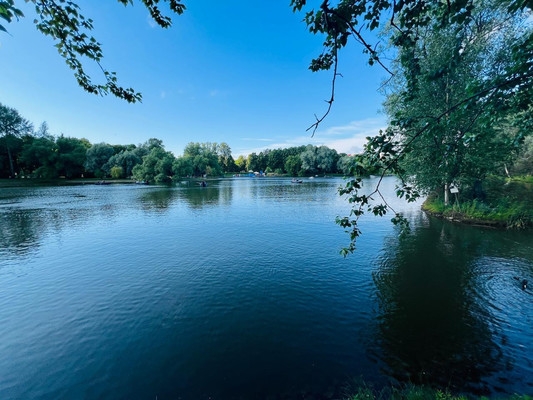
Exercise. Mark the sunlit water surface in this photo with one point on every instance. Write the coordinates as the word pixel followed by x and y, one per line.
pixel 238 291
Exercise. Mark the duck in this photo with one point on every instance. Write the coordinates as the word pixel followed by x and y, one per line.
pixel 523 282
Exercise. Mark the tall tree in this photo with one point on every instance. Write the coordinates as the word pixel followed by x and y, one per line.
pixel 458 73
pixel 97 156
pixel 71 156
pixel 39 156
pixel 443 144
pixel 12 126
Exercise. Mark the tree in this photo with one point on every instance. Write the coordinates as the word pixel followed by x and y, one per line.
pixel 485 97
pixel 309 159
pixel 276 161
pixel 225 159
pixel 293 165
pixel 182 167
pixel 97 156
pixel 71 30
pixel 523 161
pixel 12 126
pixel 252 162
pixel 71 156
pixel 469 142
pixel 205 159
pixel 39 156
pixel 125 160
pixel 240 162
pixel 156 166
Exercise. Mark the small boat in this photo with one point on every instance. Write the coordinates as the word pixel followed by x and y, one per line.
pixel 297 181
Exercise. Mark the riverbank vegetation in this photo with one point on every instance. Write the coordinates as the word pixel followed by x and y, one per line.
pixel 506 203
pixel 420 393
pixel 458 100
pixel 25 153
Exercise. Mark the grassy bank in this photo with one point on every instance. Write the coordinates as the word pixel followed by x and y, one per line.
pixel 507 203
pixel 421 393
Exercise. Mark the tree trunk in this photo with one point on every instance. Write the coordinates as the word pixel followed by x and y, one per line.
pixel 11 166
pixel 446 195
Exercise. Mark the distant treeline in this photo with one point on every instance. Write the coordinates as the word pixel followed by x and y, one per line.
pixel 25 153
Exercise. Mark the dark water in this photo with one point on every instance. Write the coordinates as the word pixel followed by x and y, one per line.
pixel 238 291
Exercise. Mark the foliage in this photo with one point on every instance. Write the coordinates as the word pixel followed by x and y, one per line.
pixel 12 127
pixel 41 155
pixel 64 22
pixel 461 71
pixel 508 203
pixel 116 173
pixel 96 157
pixel 126 160
pixel 522 163
pixel 413 392
pixel 156 166
pixel 71 156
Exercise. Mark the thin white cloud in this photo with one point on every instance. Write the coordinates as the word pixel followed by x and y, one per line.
pixel 349 138
pixel 151 21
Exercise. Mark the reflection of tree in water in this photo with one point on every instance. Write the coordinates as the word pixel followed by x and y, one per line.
pixel 193 196
pixel 160 198
pixel 432 330
pixel 201 196
pixel 19 233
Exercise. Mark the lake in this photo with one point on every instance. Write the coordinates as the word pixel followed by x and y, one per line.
pixel 238 291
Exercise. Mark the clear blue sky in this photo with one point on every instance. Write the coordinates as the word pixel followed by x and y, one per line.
pixel 233 71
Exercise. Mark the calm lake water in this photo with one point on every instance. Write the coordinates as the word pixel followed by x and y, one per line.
pixel 238 291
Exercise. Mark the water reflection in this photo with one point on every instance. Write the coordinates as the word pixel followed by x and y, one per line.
pixel 19 233
pixel 158 198
pixel 439 320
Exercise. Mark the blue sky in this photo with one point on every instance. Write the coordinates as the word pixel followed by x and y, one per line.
pixel 234 72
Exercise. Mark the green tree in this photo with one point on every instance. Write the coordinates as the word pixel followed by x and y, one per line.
pixel 97 156
pixel 451 94
pixel 126 160
pixel 116 172
pixel 71 156
pixel 156 166
pixel 276 161
pixel 523 161
pixel 205 159
pixel 252 162
pixel 12 127
pixel 225 160
pixel 182 167
pixel 309 160
pixel 240 162
pixel 468 142
pixel 293 165
pixel 39 156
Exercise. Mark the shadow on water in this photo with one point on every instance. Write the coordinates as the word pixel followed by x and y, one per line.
pixel 194 197
pixel 444 294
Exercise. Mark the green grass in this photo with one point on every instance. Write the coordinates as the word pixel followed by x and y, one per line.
pixel 508 204
pixel 420 393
